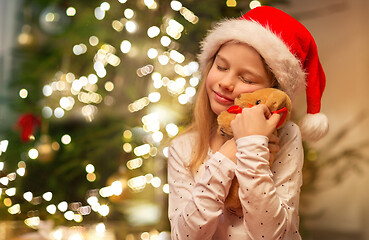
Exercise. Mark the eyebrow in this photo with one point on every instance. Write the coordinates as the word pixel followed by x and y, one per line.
pixel 245 69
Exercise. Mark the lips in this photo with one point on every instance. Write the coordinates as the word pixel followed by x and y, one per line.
pixel 222 99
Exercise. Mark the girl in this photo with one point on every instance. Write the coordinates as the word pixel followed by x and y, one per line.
pixel 264 48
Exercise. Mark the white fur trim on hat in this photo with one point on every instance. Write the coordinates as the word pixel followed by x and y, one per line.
pixel 284 65
pixel 314 126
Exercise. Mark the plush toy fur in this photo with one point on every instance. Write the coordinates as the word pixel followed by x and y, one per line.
pixel 276 100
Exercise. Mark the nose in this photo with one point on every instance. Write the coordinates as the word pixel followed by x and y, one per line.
pixel 227 83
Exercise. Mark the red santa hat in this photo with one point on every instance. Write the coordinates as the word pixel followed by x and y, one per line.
pixel 287 48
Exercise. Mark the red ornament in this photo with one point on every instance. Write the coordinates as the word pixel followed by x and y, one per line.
pixel 27 123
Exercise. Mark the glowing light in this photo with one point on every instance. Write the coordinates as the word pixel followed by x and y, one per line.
pixel 183 99
pixel 78 218
pixel 153 31
pixel 47 196
pixel 122 1
pixel 134 163
pixel 86 210
pixel 125 46
pixel 152 53
pixel 100 69
pixel 174 29
pixel 33 153
pixel 177 86
pixel 77 50
pixel 190 91
pixel 194 81
pixel 176 5
pixel 142 150
pixel 1 166
pixel 172 129
pixel 176 56
pixel 138 104
pixel 163 60
pixel 189 15
pixel 103 210
pixel 67 102
pixel 156 182
pixel 76 236
pixel 165 41
pixel 117 188
pixel 231 3
pixel 3 145
pixel 151 4
pixel 154 97
pixel 63 206
pixel 91 177
pixel 23 93
pixel 254 4
pixel 90 168
pixel 100 228
pixel 69 215
pixel 166 188
pixel 71 11
pixel 127 147
pixel 32 222
pixel 57 235
pixel 51 209
pixel 137 183
pixel 4 181
pixel 47 90
pixel 7 202
pixel 109 86
pixel 21 171
pixel 12 176
pixel 127 134
pixel 129 13
pixel 93 40
pixel 99 13
pixel 105 6
pixel 15 209
pixel 157 136
pixel 166 151
pixel 10 191
pixel 47 112
pixel 66 139
pixel 92 200
pixel 117 25
pixel 131 26
pixel 58 112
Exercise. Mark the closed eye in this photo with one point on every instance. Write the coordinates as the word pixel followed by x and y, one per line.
pixel 221 68
pixel 245 80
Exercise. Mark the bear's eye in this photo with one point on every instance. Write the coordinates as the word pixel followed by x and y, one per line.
pixel 258 102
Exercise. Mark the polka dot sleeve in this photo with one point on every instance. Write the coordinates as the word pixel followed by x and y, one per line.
pixel 270 195
pixel 195 206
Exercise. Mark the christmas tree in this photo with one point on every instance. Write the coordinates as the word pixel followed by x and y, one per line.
pixel 98 92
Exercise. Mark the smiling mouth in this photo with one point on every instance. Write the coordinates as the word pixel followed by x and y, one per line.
pixel 222 99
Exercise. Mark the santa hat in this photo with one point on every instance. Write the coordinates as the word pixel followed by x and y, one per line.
pixel 287 48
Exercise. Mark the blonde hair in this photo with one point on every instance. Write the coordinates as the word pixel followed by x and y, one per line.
pixel 204 119
pixel 204 123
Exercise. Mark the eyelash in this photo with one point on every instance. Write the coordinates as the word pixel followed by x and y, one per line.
pixel 242 78
pixel 246 81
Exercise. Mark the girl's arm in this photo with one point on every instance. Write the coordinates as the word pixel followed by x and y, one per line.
pixel 194 208
pixel 270 196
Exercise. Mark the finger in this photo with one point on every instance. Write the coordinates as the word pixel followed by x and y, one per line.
pixel 274 119
pixel 271 159
pixel 266 110
pixel 273 148
pixel 273 138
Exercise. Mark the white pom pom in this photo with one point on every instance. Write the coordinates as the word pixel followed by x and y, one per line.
pixel 314 126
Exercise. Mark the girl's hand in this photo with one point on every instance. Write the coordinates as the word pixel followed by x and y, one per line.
pixel 273 147
pixel 257 120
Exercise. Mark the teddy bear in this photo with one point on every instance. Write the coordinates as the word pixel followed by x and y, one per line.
pixel 277 101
